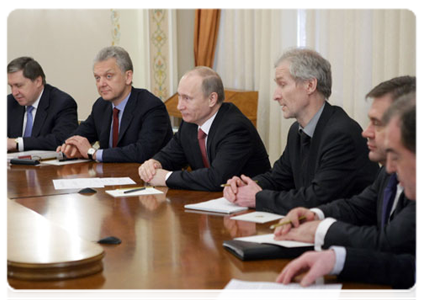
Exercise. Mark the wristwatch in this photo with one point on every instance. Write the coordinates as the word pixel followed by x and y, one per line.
pixel 91 152
pixel 17 144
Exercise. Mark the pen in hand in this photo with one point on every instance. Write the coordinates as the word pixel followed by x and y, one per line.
pixel 285 223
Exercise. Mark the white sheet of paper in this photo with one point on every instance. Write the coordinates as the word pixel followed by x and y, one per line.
pixel 121 192
pixel 239 289
pixel 66 162
pixel 220 205
pixel 117 180
pixel 258 217
pixel 77 183
pixel 268 239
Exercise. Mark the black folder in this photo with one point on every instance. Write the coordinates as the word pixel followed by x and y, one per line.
pixel 256 251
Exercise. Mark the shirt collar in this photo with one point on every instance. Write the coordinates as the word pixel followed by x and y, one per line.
pixel 311 126
pixel 206 126
pixel 121 106
pixel 37 102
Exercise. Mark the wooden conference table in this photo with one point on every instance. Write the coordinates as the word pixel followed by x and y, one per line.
pixel 163 245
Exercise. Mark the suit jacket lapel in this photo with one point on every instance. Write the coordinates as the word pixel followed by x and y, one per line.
pixel 41 114
pixel 105 130
pixel 127 116
pixel 214 130
pixel 317 137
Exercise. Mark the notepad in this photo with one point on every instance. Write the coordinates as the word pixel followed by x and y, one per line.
pixel 121 192
pixel 33 154
pixel 242 289
pixel 258 217
pixel 65 162
pixel 269 239
pixel 220 205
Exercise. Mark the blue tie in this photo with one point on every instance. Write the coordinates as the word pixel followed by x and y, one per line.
pixel 29 121
pixel 388 198
pixel 417 267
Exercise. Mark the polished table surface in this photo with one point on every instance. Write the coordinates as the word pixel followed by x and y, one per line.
pixel 164 246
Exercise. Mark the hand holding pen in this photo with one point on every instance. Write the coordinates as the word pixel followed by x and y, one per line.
pixel 293 219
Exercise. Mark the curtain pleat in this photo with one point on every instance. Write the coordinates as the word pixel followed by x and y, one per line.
pixel 205 36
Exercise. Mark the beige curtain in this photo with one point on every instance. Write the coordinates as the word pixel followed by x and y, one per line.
pixel 205 36
pixel 364 47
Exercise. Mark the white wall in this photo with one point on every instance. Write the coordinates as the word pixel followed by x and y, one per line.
pixel 64 42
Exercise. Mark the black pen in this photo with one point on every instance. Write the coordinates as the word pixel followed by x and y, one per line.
pixel 134 190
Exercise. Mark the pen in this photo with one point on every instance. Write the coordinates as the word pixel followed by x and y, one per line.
pixel 227 184
pixel 134 190
pixel 286 222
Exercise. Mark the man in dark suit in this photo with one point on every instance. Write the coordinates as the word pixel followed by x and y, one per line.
pixel 362 221
pixel 130 124
pixel 39 116
pixel 325 156
pixel 229 143
pixel 397 270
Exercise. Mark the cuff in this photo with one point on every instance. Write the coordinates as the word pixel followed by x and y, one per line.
pixel 99 155
pixel 168 175
pixel 340 255
pixel 319 213
pixel 20 144
pixel 322 229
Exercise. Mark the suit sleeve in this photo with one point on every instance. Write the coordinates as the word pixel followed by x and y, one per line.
pixel 398 236
pixel 337 165
pixel 233 150
pixel 155 129
pixel 172 156
pixel 65 122
pixel 396 270
pixel 360 209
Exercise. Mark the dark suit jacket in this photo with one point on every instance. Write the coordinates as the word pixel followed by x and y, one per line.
pixel 233 148
pixel 359 221
pixel 338 166
pixel 55 120
pixel 398 271
pixel 145 128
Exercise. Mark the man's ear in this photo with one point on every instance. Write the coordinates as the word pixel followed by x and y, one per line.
pixel 213 99
pixel 311 85
pixel 128 77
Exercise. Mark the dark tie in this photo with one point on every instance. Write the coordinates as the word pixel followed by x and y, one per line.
pixel 305 146
pixel 388 198
pixel 29 121
pixel 202 142
pixel 417 268
pixel 115 126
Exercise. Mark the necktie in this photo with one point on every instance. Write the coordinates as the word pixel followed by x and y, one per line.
pixel 202 142
pixel 115 126
pixel 388 198
pixel 305 146
pixel 29 121
pixel 417 268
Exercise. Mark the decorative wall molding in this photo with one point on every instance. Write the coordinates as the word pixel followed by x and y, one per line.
pixel 114 17
pixel 159 52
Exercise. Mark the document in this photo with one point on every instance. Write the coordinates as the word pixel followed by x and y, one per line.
pixel 269 239
pixel 117 180
pixel 121 192
pixel 258 217
pixel 33 154
pixel 79 183
pixel 220 205
pixel 240 289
